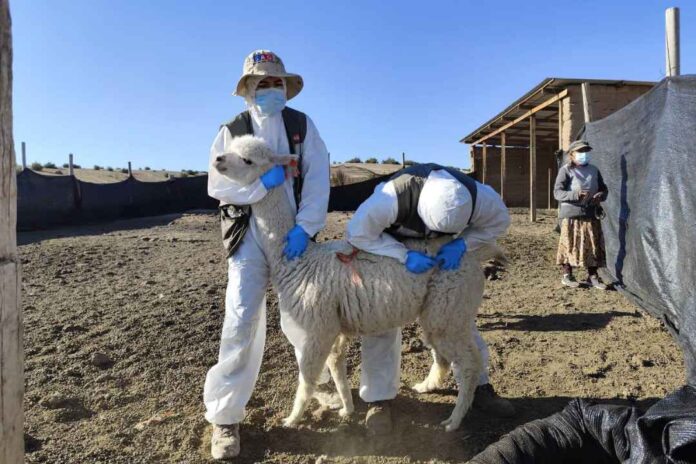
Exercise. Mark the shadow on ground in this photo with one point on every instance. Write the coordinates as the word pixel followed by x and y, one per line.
pixel 417 432
pixel 552 322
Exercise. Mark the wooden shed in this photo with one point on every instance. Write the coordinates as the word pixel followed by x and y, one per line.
pixel 531 130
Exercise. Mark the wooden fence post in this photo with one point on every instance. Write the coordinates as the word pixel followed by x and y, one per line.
pixel 484 157
pixel 532 168
pixel 586 102
pixel 11 352
pixel 550 187
pixel 503 167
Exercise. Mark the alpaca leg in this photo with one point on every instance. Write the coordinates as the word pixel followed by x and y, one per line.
pixel 339 373
pixel 466 366
pixel 436 377
pixel 312 359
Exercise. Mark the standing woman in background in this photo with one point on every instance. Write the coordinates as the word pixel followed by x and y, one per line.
pixel 580 189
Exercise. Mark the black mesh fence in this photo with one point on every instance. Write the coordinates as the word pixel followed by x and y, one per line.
pixel 50 201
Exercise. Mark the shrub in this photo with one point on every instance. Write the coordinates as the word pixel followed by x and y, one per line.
pixel 371 161
pixel 184 174
pixel 390 161
pixel 410 163
pixel 124 170
pixel 35 166
pixel 97 167
pixel 66 165
pixel 190 172
pixel 166 175
pixel 354 160
pixel 147 168
pixel 59 172
pixel 76 166
pixel 50 165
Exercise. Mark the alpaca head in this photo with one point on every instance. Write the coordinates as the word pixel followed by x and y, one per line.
pixel 247 158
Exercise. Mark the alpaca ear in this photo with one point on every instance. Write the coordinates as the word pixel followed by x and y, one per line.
pixel 284 160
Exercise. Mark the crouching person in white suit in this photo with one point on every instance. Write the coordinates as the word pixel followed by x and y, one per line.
pixel 419 202
pixel 265 86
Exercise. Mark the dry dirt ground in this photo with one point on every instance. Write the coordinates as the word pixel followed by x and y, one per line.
pixel 123 320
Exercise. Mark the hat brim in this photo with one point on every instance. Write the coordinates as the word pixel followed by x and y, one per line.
pixel 293 83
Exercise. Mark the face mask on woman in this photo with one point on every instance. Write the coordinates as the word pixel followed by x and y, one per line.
pixel 270 101
pixel 582 158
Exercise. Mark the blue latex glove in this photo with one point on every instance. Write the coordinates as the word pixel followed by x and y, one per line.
pixel 297 240
pixel 450 254
pixel 273 177
pixel 418 262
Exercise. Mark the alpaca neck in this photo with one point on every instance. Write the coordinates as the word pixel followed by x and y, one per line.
pixel 274 217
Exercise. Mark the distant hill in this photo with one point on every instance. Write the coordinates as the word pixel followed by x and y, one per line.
pixel 102 176
pixel 351 173
pixel 341 174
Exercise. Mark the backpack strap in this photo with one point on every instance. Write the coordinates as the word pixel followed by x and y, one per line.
pixel 296 131
pixel 240 125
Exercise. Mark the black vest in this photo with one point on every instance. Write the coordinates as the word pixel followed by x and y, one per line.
pixel 409 183
pixel 234 220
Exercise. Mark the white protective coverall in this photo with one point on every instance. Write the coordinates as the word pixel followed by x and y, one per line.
pixel 229 383
pixel 444 205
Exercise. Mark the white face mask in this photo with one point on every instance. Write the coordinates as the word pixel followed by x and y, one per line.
pixel 582 158
pixel 270 101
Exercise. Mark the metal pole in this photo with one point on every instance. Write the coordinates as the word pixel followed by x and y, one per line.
pixel 130 171
pixel 70 164
pixel 403 159
pixel 672 65
pixel 24 155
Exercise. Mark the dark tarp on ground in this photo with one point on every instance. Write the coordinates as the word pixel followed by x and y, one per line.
pixel 598 433
pixel 646 154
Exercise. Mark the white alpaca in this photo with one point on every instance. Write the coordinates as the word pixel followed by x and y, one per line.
pixel 324 297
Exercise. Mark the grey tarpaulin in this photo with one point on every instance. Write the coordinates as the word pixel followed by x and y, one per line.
pixel 646 153
pixel 598 433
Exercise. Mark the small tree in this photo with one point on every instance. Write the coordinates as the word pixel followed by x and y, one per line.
pixel 371 161
pixel 390 161
pixel 191 172
pixel 36 166
pixel 147 168
pixel 76 166
pixel 123 170
pixel 110 169
pixel 50 165
pixel 97 167
pixel 354 160
pixel 66 165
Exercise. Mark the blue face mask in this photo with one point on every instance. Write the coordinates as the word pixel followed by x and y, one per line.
pixel 270 101
pixel 582 158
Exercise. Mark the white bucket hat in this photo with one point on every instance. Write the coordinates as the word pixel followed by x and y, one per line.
pixel 264 63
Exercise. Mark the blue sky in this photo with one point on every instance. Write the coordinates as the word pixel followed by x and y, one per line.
pixel 151 81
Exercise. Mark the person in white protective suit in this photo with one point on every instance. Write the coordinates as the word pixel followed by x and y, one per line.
pixel 265 86
pixel 423 201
